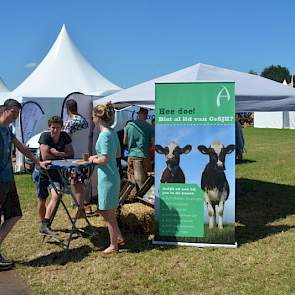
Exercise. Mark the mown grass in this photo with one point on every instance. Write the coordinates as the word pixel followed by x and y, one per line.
pixel 262 264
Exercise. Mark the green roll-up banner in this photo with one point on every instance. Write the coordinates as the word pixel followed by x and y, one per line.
pixel 195 164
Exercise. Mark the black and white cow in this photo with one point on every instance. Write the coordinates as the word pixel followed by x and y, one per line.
pixel 172 173
pixel 214 182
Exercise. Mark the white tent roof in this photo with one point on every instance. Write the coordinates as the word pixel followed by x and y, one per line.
pixel 4 91
pixel 3 87
pixel 64 70
pixel 253 93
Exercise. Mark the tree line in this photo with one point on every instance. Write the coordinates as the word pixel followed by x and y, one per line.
pixel 276 73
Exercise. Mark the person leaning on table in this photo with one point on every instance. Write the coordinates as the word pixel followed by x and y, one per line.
pixel 108 149
pixel 55 144
pixel 9 199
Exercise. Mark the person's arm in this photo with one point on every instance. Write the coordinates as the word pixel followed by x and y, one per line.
pixel 118 153
pixel 46 152
pixel 125 138
pixel 24 150
pixel 99 160
pixel 66 154
pixel 66 126
pixel 103 158
pixel 69 151
pixel 44 142
pixel 1 151
pixel 152 140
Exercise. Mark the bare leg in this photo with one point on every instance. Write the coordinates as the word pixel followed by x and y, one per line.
pixel 7 226
pixel 87 194
pixel 41 206
pixel 52 204
pixel 114 231
pixel 79 193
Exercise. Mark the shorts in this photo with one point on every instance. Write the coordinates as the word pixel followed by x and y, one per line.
pixel 137 169
pixel 43 184
pixel 9 200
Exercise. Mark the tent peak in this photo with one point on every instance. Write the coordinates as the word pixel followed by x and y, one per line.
pixel 62 71
pixel 63 30
pixel 3 86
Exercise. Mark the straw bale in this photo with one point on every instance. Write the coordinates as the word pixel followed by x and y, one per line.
pixel 137 217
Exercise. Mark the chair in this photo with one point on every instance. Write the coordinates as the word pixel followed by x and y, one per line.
pixel 126 188
pixel 145 188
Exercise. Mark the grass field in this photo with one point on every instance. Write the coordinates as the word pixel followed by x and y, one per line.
pixel 264 262
pixel 211 236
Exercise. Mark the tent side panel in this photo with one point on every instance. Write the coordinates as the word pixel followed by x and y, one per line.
pixel 268 120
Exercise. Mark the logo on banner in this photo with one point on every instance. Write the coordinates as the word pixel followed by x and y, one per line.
pixel 223 94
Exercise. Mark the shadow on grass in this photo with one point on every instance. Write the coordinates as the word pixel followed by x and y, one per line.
pixel 245 161
pixel 134 243
pixel 60 257
pixel 21 172
pixel 258 204
pixel 99 239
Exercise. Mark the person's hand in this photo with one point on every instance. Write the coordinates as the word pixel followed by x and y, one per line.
pixel 54 152
pixel 44 164
pixel 91 158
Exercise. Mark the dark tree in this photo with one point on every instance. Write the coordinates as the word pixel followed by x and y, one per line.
pixel 276 73
pixel 252 72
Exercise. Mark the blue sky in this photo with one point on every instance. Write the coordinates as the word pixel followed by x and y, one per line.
pixel 133 41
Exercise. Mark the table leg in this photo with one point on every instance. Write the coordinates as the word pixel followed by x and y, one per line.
pixel 73 221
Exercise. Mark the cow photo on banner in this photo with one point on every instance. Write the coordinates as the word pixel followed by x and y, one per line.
pixel 195 164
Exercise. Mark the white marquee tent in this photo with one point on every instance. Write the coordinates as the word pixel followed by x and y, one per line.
pixel 4 91
pixel 64 70
pixel 279 120
pixel 3 87
pixel 253 93
pixel 276 120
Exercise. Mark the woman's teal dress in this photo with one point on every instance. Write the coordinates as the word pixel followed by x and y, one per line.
pixel 108 175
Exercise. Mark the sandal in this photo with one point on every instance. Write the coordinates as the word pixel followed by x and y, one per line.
pixel 109 252
pixel 121 243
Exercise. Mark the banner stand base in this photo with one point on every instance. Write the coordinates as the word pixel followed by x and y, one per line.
pixel 199 245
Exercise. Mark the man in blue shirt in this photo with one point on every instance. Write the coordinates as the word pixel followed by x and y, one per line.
pixel 9 199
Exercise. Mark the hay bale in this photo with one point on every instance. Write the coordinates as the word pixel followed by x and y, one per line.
pixel 137 217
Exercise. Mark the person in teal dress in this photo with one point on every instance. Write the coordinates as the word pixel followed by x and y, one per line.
pixel 108 149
